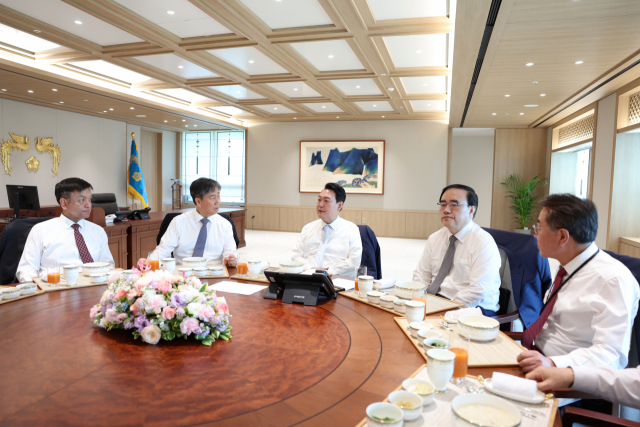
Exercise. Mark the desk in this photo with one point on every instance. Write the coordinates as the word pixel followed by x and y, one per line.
pixel 287 364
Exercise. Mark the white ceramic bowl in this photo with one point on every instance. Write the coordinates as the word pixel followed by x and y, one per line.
pixel 429 343
pixel 216 271
pixel 399 305
pixel 186 270
pixel 403 396
pixel 417 326
pixel 27 288
pixel 200 271
pixel 374 297
pixel 95 267
pixel 478 328
pixel 99 277
pixel 488 400
pixel 11 293
pixel 126 274
pixel 387 301
pixel 291 267
pixel 408 290
pixel 378 411
pixel 424 334
pixel 194 261
pixel 427 396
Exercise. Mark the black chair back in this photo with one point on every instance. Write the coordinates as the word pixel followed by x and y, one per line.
pixel 12 241
pixel 169 217
pixel 370 252
pixel 106 201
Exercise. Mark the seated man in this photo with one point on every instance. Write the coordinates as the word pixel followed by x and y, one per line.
pixel 69 239
pixel 461 261
pixel 200 232
pixel 615 385
pixel 330 243
pixel 590 308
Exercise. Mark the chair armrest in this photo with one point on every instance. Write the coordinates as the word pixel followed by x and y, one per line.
pixel 507 318
pixel 516 336
pixel 591 418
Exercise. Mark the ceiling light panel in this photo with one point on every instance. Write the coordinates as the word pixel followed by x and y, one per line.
pixel 237 92
pixel 232 111
pixel 185 21
pixel 428 84
pixel 288 13
pixel 111 70
pixel 171 63
pixel 379 106
pixel 184 94
pixel 240 57
pixel 61 15
pixel 433 48
pixel 275 109
pixel 355 87
pixel 429 105
pixel 24 40
pixel 294 89
pixel 324 107
pixel 317 53
pixel 402 9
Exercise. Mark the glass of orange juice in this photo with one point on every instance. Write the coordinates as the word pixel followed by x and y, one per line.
pixel 360 271
pixel 53 273
pixel 154 261
pixel 460 347
pixel 243 268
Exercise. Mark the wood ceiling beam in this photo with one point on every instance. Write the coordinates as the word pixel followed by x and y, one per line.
pixel 222 41
pixel 134 49
pixel 209 81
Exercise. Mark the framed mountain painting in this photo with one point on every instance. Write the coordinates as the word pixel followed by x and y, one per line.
pixel 358 166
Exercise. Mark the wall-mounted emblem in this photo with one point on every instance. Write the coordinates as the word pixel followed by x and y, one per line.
pixel 16 143
pixel 32 163
pixel 44 145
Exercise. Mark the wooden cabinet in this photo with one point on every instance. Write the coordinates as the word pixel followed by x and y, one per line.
pixel 117 235
pixel 238 218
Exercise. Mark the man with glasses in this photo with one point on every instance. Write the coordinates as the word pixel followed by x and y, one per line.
pixel 461 261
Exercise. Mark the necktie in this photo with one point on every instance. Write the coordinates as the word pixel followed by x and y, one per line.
pixel 445 268
pixel 323 246
pixel 532 331
pixel 202 239
pixel 85 256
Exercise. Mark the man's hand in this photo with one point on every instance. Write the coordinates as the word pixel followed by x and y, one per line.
pixel 230 260
pixel 549 379
pixel 531 359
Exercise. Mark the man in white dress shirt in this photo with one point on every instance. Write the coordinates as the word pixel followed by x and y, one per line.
pixel 69 239
pixel 330 242
pixel 461 261
pixel 615 385
pixel 590 309
pixel 200 232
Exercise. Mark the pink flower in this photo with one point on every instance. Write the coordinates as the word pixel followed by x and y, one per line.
pixel 121 294
pixel 94 310
pixel 168 313
pixel 134 309
pixel 113 277
pixel 222 307
pixel 207 313
pixel 121 317
pixel 132 295
pixel 111 315
pixel 189 325
pixel 163 287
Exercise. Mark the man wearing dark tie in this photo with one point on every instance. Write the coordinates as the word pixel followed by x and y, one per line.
pixel 200 232
pixel 69 239
pixel 461 261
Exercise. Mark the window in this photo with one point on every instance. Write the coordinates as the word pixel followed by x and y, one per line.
pixel 218 155
pixel 570 170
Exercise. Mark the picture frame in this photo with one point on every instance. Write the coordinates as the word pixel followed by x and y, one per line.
pixel 358 166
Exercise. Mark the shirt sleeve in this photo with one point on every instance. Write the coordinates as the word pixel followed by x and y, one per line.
pixel 615 385
pixel 484 269
pixel 348 266
pixel 612 329
pixel 169 241
pixel 105 254
pixel 298 251
pixel 422 273
pixel 229 244
pixel 29 265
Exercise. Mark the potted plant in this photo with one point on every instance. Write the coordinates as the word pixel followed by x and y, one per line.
pixel 522 199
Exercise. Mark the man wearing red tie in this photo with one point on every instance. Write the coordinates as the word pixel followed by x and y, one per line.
pixel 589 311
pixel 69 239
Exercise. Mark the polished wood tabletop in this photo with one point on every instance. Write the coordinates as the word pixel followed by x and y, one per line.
pixel 286 365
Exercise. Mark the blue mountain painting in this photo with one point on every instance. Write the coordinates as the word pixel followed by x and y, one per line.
pixel 354 162
pixel 316 158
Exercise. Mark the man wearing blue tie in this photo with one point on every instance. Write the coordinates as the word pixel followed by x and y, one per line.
pixel 200 232
pixel 330 242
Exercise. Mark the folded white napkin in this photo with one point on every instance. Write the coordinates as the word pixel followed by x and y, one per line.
pixel 452 316
pixel 514 385
pixel 389 282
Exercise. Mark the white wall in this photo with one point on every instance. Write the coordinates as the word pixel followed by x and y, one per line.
pixel 168 166
pixel 415 170
pixel 472 165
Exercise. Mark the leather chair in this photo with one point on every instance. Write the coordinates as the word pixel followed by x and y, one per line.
pixel 370 252
pixel 12 244
pixel 169 217
pixel 106 201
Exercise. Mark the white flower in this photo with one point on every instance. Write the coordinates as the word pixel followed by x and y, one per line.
pixel 139 304
pixel 194 309
pixel 151 334
pixel 103 323
pixel 154 303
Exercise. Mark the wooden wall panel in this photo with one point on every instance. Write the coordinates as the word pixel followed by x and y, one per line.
pixel 517 151
pixel 352 215
pixel 629 250
pixel 260 217
pixel 385 223
pixel 293 218
pixel 420 225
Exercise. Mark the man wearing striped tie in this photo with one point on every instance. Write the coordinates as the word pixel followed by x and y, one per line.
pixel 200 232
pixel 69 239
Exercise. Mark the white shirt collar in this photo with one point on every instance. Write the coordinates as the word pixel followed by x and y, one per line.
pixel 334 224
pixel 462 234
pixel 68 223
pixel 199 217
pixel 580 259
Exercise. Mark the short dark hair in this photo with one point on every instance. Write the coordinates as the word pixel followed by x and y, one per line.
pixel 472 197
pixel 203 186
pixel 578 216
pixel 66 187
pixel 341 195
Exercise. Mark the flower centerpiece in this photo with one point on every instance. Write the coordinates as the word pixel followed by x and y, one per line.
pixel 159 305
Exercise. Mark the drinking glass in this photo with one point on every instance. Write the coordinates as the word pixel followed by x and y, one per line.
pixel 360 271
pixel 242 264
pixel 154 261
pixel 440 368
pixel 53 273
pixel 460 347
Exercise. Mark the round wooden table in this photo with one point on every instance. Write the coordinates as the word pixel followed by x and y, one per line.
pixel 286 365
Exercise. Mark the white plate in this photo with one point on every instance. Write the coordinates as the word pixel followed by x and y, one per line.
pixel 539 397
pixel 488 400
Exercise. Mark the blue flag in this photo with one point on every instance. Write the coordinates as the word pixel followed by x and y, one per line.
pixel 137 189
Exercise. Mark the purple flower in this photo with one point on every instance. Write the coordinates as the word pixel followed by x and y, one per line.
pixel 128 325
pixel 222 327
pixel 180 313
pixel 179 299
pixel 190 326
pixel 141 322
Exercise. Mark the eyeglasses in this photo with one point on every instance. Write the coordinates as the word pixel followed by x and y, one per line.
pixel 536 228
pixel 452 205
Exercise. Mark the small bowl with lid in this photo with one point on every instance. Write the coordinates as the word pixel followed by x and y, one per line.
pixel 95 267
pixel 216 270
pixel 374 297
pixel 194 261
pixel 399 305
pixel 200 271
pixel 27 288
pixel 386 301
pixel 291 267
pixel 11 293
pixel 409 290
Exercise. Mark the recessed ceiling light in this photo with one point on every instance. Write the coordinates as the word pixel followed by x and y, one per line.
pixel 424 84
pixel 531 105
pixel 86 100
pixel 506 114
pixel 140 115
pixel 357 87
pixel 522 114
pixel 110 109
pixel 170 12
pixel 36 31
pixel 295 88
pixel 324 106
pixel 183 120
pixel 535 83
pixel 295 118
pixel 61 102
pixel 55 90
pixel 529 64
pixel 275 108
pixel 493 114
pixel 428 105
pixel 186 126
pixel 4 90
pixel 507 96
pixel 251 61
pixel 543 94
pixel 165 121
pixel 383 117
pixel 131 108
pixel 237 91
pixel 180 66
pixel 579 62
pixel 78 22
pixel 104 111
pixel 195 126
pixel 337 117
pixel 390 89
pixel 383 74
pixel 30 91
pixel 374 105
pixel 330 56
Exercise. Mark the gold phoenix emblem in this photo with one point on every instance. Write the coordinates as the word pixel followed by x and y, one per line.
pixel 137 176
pixel 15 143
pixel 32 163
pixel 44 145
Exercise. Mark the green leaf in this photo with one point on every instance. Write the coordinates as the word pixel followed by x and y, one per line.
pixel 203 288
pixel 216 333
pixel 208 340
pixel 522 198
pixel 168 335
